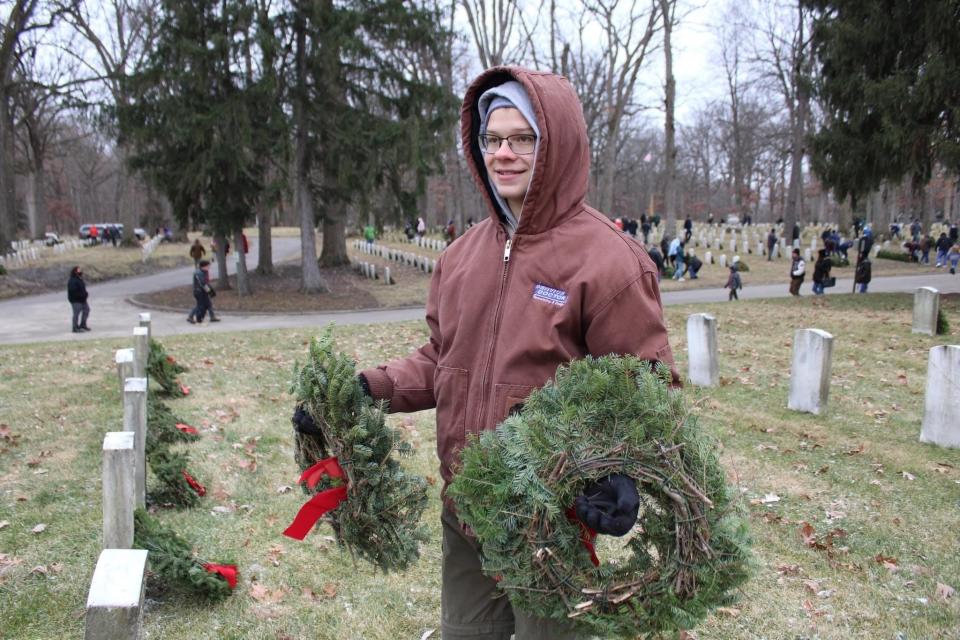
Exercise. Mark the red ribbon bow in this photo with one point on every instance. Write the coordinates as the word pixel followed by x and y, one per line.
pixel 587 536
pixel 319 504
pixel 187 429
pixel 196 486
pixel 184 389
pixel 228 571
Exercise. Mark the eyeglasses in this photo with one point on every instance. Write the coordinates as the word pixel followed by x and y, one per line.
pixel 521 143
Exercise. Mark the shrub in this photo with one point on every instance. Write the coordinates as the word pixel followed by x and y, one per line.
pixel 743 267
pixel 3 270
pixel 667 271
pixel 839 261
pixel 884 254
pixel 943 326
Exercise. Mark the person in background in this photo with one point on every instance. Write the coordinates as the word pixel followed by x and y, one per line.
pixel 197 251
pixel 954 258
pixel 421 227
pixel 246 243
pixel 202 293
pixel 77 295
pixel 943 246
pixel 861 276
pixel 687 229
pixel 645 229
pixel 771 243
pixel 797 270
pixel 679 263
pixel 94 234
pixel 925 243
pixel 734 283
pixel 694 264
pixel 450 231
pixel 657 258
pixel 369 234
pixel 953 233
pixel 821 271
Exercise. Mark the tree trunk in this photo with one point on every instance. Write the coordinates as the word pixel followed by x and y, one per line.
pixel 310 279
pixel 670 146
pixel 334 242
pixel 124 213
pixel 265 248
pixel 243 279
pixel 608 171
pixel 8 197
pixel 223 280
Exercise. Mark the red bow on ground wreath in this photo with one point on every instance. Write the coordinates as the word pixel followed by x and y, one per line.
pixel 184 389
pixel 187 429
pixel 228 571
pixel 196 486
pixel 587 536
pixel 321 503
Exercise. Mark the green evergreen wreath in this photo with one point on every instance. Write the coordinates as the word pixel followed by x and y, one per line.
pixel 164 369
pixel 599 417
pixel 379 520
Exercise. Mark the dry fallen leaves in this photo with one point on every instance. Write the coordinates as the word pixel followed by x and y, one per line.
pixel 945 591
pixel 888 563
pixel 730 612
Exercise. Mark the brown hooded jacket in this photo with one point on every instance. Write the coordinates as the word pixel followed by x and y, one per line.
pixel 504 313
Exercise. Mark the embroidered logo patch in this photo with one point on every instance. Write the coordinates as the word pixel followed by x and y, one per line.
pixel 553 296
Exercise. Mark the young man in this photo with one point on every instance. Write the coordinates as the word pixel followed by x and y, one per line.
pixel 544 279
pixel 797 270
pixel 197 251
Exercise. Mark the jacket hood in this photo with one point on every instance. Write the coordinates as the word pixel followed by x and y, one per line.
pixel 561 171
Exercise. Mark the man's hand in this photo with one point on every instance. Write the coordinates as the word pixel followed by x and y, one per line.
pixel 303 423
pixel 610 505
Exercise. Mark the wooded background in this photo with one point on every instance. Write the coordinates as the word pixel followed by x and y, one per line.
pixel 339 113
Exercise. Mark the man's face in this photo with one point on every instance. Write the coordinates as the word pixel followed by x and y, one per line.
pixel 509 172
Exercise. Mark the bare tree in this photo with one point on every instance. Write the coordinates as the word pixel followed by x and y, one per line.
pixel 493 24
pixel 606 81
pixel 121 34
pixel 668 11
pixel 785 60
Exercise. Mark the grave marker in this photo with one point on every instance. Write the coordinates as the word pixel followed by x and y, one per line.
pixel 926 308
pixel 135 421
pixel 115 601
pixel 704 366
pixel 941 409
pixel 119 488
pixel 141 351
pixel 124 360
pixel 810 373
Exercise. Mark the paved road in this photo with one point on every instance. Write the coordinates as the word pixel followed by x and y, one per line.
pixel 46 317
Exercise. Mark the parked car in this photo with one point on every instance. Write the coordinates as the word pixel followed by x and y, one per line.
pixel 85 230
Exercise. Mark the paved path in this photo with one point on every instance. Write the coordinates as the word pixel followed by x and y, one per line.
pixel 46 317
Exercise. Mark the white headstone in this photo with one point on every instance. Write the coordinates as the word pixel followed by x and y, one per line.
pixel 810 373
pixel 141 351
pixel 115 602
pixel 124 360
pixel 135 421
pixel 761 249
pixel 145 322
pixel 926 307
pixel 807 255
pixel 723 261
pixel 387 279
pixel 941 409
pixel 733 245
pixel 119 488
pixel 708 257
pixel 704 366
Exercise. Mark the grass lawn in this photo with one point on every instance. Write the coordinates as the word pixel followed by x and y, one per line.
pixel 858 471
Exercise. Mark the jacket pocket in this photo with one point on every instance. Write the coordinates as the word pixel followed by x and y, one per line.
pixel 450 391
pixel 507 396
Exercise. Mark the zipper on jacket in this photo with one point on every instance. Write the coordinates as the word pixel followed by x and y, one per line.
pixel 496 330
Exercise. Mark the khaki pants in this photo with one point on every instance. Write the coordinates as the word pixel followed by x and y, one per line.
pixel 471 606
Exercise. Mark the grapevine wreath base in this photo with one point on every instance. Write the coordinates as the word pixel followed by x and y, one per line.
pixel 357 483
pixel 688 551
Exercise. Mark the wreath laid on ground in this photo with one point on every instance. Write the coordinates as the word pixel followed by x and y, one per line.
pixel 351 466
pixel 174 484
pixel 611 415
pixel 164 369
pixel 172 559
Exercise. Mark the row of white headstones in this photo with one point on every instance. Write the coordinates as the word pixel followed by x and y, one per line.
pixel 408 258
pixel 26 252
pixel 115 599
pixel 812 362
